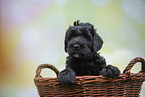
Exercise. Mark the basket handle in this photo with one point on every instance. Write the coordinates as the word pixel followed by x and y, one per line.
pixel 40 67
pixel 132 63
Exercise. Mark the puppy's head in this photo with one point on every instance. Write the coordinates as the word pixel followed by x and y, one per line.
pixel 82 41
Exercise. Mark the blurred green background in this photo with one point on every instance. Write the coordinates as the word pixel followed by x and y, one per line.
pixel 32 33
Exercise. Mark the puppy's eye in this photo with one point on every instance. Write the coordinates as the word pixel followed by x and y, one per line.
pixel 86 34
pixel 69 36
pixel 87 37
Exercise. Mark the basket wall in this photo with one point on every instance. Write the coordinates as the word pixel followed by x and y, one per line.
pixel 118 87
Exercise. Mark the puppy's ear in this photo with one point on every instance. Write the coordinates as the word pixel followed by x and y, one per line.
pixel 97 42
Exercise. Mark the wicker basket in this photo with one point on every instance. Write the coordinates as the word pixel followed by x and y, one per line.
pixel 127 84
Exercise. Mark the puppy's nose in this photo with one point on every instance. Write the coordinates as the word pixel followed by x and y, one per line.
pixel 76 46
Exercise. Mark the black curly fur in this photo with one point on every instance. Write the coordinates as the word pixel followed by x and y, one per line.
pixel 82 43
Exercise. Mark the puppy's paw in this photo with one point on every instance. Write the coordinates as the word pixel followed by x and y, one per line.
pixel 110 71
pixel 66 77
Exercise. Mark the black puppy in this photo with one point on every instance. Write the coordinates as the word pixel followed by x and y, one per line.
pixel 82 44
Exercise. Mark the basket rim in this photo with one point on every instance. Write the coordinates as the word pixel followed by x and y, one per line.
pixel 90 79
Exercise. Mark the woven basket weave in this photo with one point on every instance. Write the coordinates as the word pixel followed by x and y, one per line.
pixel 127 84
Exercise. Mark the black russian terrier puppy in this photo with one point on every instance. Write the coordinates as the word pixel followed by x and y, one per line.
pixel 82 44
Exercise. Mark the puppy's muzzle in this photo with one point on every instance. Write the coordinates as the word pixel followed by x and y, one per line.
pixel 76 47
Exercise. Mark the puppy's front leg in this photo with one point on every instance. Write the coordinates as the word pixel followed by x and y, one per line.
pixel 110 71
pixel 66 77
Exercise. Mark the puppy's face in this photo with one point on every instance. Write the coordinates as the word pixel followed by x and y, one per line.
pixel 81 41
